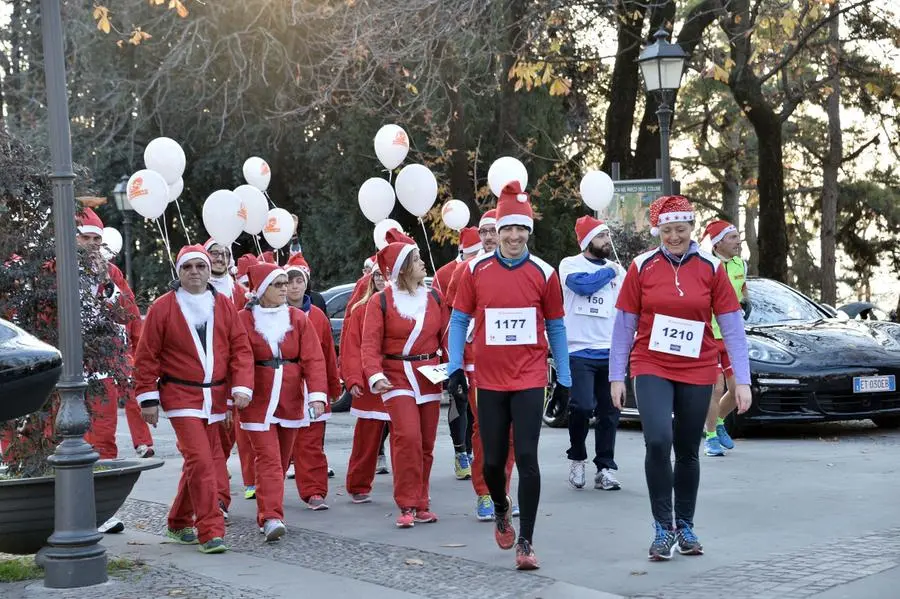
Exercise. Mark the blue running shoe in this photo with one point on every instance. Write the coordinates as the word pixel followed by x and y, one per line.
pixel 664 544
pixel 485 510
pixel 515 511
pixel 713 448
pixel 724 438
pixel 688 543
pixel 461 466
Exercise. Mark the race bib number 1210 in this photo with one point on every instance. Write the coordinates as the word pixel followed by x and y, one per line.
pixel 677 336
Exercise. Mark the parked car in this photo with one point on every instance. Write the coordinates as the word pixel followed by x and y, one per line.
pixel 864 311
pixel 29 369
pixel 806 365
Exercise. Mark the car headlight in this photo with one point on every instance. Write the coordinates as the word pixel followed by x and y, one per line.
pixel 768 352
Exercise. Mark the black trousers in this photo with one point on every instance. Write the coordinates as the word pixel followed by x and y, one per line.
pixel 497 411
pixel 458 418
pixel 590 397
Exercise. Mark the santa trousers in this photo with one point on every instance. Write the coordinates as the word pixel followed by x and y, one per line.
pixel 310 463
pixel 478 483
pixel 104 411
pixel 196 502
pixel 413 432
pixel 140 431
pixel 272 455
pixel 367 435
pixel 235 434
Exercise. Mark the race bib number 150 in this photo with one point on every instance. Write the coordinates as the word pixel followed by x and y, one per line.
pixel 510 326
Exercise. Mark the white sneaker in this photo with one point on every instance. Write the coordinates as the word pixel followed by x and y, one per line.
pixel 290 472
pixel 381 466
pixel 274 529
pixel 144 451
pixel 606 480
pixel 112 526
pixel 576 473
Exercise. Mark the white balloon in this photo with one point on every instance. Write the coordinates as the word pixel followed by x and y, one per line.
pixel 504 171
pixel 279 228
pixel 223 217
pixel 455 214
pixel 112 240
pixel 381 230
pixel 416 189
pixel 376 199
pixel 391 146
pixel 257 173
pixel 175 189
pixel 597 190
pixel 148 193
pixel 256 208
pixel 165 156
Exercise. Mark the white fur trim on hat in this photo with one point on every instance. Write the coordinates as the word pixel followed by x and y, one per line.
pixel 90 229
pixel 261 290
pixel 721 236
pixel 584 243
pixel 515 219
pixel 675 217
pixel 472 248
pixel 487 220
pixel 294 268
pixel 401 256
pixel 191 256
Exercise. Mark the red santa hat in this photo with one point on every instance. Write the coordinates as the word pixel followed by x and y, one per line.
pixel 488 219
pixel 190 252
pixel 89 223
pixel 513 208
pixel 586 228
pixel 370 262
pixel 717 230
pixel 298 263
pixel 261 276
pixel 396 236
pixel 670 209
pixel 243 265
pixel 469 241
pixel 267 257
pixel 391 258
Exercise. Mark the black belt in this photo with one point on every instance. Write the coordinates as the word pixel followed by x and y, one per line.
pixel 171 379
pixel 419 358
pixel 277 362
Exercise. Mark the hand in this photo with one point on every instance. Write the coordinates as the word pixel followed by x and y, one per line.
pixel 742 398
pixel 229 419
pixel 318 408
pixel 150 415
pixel 382 385
pixel 457 385
pixel 241 400
pixel 355 391
pixel 747 307
pixel 617 390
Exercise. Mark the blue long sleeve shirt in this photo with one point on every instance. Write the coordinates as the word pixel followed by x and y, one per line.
pixel 589 283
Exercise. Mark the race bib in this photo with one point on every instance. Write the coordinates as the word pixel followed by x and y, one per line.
pixel 677 336
pixel 435 374
pixel 599 305
pixel 510 326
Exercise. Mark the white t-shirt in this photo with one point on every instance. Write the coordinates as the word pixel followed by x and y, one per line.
pixel 589 320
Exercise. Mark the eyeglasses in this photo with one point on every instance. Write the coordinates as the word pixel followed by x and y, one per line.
pixel 220 253
pixel 280 285
pixel 198 267
pixel 377 276
pixel 487 231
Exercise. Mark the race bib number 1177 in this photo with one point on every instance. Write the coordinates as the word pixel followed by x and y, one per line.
pixel 510 326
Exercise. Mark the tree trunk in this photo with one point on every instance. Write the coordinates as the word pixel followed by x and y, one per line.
pixel 508 118
pixel 832 162
pixel 751 239
pixel 731 199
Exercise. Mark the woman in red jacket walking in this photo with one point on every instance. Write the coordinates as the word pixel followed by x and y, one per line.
pixel 403 333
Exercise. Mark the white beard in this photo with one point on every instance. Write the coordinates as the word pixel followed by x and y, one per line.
pixel 223 284
pixel 273 324
pixel 410 305
pixel 197 309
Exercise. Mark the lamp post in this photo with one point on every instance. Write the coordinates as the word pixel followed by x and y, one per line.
pixel 662 64
pixel 120 195
pixel 74 556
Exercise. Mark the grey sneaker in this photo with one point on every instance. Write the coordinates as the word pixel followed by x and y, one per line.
pixel 185 536
pixel 687 541
pixel 606 480
pixel 144 451
pixel 576 473
pixel 664 544
pixel 274 529
pixel 112 526
pixel 317 503
pixel 361 498
pixel 381 466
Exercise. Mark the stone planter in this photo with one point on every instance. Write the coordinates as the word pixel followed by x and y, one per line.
pixel 27 505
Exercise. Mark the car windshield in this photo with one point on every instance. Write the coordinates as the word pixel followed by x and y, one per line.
pixel 774 303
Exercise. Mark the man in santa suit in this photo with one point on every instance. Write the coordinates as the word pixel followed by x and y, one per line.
pixel 310 463
pixel 193 344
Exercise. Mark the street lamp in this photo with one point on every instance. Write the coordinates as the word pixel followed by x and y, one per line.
pixel 662 64
pixel 120 195
pixel 74 556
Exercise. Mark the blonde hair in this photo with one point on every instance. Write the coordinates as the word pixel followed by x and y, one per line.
pixel 403 278
pixel 370 291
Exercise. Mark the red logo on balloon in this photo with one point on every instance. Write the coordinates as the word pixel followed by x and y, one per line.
pixel 272 225
pixel 400 139
pixel 264 168
pixel 137 189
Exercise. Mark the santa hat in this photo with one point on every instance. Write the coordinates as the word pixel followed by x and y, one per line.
pixel 513 208
pixel 469 241
pixel 297 263
pixel 267 257
pixel 261 276
pixel 243 265
pixel 586 228
pixel 391 258
pixel 190 252
pixel 89 223
pixel 717 230
pixel 395 236
pixel 488 219
pixel 369 262
pixel 670 209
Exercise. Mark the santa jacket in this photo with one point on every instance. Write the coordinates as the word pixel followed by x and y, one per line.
pixel 279 383
pixel 443 275
pixel 233 290
pixel 173 369
pixel 368 405
pixel 418 331
pixel 469 352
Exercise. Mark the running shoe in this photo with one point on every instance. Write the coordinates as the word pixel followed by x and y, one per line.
pixel 688 543
pixel 185 536
pixel 504 533
pixel 712 447
pixel 112 526
pixel 461 466
pixel 290 472
pixel 381 466
pixel 576 474
pixel 361 498
pixel 664 544
pixel 330 472
pixel 525 557
pixel 606 480
pixel 515 511
pixel 471 458
pixel 317 503
pixel 485 509
pixel 407 518
pixel 144 451
pixel 224 513
pixel 214 545
pixel 425 517
pixel 250 492
pixel 724 438
pixel 274 529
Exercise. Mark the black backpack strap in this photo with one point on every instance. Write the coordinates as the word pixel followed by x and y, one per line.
pixel 383 300
pixel 436 296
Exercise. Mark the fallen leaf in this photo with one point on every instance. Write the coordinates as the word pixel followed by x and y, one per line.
pixel 638 572
pixel 454 545
pixel 136 543
pixel 414 562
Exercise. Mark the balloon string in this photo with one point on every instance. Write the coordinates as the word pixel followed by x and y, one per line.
pixel 616 254
pixel 258 247
pixel 166 247
pixel 187 235
pixel 266 193
pixel 168 241
pixel 428 244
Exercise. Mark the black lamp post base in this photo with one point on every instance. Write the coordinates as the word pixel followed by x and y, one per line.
pixel 69 572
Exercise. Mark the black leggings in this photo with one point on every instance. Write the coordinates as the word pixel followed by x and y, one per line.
pixel 384 436
pixel 657 400
pixel 458 418
pixel 497 411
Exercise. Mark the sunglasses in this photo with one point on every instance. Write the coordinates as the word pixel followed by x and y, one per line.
pixel 190 267
pixel 280 285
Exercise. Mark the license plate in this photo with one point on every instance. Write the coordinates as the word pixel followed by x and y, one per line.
pixel 874 384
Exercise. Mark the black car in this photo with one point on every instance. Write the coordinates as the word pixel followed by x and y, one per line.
pixel 29 369
pixel 808 366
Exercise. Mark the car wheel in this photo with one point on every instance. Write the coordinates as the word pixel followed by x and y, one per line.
pixel 342 404
pixel 734 424
pixel 556 408
pixel 887 421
